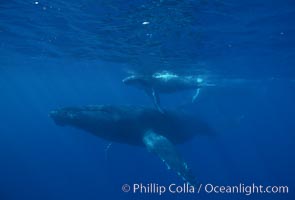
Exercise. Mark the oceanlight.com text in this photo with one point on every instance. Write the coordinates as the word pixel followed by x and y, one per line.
pixel 209 188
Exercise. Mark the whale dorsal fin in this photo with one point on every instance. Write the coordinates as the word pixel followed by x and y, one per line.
pixel 167 152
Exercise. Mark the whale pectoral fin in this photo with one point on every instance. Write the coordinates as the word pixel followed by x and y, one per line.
pixel 196 95
pixel 107 150
pixel 167 152
pixel 156 99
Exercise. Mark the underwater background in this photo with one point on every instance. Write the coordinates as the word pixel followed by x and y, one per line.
pixel 72 53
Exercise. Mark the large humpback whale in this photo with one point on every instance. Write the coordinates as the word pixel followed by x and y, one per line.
pixel 165 82
pixel 137 126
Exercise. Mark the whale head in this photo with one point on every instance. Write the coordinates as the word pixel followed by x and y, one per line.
pixel 113 123
pixel 65 116
pixel 97 117
pixel 138 81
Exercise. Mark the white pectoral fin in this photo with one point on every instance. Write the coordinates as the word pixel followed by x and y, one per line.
pixel 196 95
pixel 167 152
pixel 156 99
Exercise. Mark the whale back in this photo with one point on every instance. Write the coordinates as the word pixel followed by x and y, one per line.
pixel 127 124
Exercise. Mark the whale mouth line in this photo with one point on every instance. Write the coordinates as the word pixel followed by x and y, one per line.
pixel 134 80
pixel 127 79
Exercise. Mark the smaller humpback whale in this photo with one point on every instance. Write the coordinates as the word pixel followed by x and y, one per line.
pixel 138 126
pixel 165 82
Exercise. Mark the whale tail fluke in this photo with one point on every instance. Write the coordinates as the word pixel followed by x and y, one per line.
pixel 167 152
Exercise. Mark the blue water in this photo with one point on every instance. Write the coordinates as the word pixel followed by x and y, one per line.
pixel 71 53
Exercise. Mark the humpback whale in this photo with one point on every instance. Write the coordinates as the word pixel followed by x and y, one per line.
pixel 165 82
pixel 136 125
